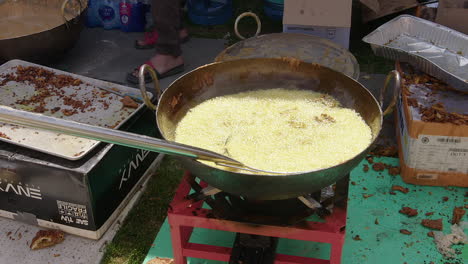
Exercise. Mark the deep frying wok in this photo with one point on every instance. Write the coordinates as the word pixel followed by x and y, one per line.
pixel 236 76
pixel 49 41
pixel 229 78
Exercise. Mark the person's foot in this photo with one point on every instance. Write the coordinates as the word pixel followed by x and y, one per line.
pixel 164 65
pixel 151 38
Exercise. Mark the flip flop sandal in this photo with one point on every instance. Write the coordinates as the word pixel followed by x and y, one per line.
pixel 149 40
pixel 131 78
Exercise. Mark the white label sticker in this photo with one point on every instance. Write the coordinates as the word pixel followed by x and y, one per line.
pixel 440 153
pixel 72 213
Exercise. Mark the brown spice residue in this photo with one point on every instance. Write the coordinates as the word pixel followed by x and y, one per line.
pixel 405 232
pixel 429 213
pixel 458 213
pixel 409 211
pixel 400 189
pixel 433 224
pixel 365 196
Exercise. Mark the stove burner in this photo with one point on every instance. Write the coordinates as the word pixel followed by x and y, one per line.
pixel 276 212
pixel 253 249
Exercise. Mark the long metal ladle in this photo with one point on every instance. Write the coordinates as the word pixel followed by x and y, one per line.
pixel 23 118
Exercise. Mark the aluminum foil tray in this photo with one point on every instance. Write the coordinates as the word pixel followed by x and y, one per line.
pixel 307 48
pixel 437 50
pixel 105 110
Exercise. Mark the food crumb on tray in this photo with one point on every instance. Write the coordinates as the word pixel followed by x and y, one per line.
pixel 357 238
pixel 127 101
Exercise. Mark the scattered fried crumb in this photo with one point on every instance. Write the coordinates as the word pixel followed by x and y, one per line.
pixel 400 189
pixel 392 193
pixel 370 159
pixel 445 198
pixel 367 195
pixel 3 135
pixel 365 168
pixel 405 232
pixel 458 213
pixel 376 221
pixel 394 171
pixel 430 234
pixel 47 238
pixel 364 188
pixel 56 255
pixel 357 237
pixel 127 101
pixel 429 213
pixel 379 166
pixel 353 183
pixel 161 261
pixel 433 224
pixel 409 211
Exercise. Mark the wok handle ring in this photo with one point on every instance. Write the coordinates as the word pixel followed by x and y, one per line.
pixel 62 9
pixel 142 84
pixel 259 24
pixel 396 90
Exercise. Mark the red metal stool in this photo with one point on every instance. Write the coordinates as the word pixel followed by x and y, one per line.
pixel 182 221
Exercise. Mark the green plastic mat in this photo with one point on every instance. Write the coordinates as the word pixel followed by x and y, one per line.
pixel 381 243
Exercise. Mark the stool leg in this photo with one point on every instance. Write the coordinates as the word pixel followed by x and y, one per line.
pixel 336 251
pixel 178 243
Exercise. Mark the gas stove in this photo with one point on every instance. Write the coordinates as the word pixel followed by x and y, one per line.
pixel 258 224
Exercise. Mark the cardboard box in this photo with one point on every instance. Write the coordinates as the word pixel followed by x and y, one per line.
pixel 432 153
pixel 374 9
pixel 326 19
pixel 79 197
pixel 453 14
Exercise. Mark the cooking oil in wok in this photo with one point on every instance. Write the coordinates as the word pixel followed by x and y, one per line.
pixel 277 129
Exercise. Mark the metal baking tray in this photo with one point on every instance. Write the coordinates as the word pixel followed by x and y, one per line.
pixel 307 48
pixel 108 112
pixel 437 50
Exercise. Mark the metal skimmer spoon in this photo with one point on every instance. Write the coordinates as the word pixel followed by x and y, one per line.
pixel 23 118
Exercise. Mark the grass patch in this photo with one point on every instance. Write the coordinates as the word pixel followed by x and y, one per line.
pixel 134 238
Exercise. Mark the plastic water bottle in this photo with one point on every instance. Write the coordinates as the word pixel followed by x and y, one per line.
pixel 109 14
pixel 92 16
pixel 125 15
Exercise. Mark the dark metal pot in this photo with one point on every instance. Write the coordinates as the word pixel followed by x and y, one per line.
pixel 46 46
pixel 236 76
pixel 307 48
